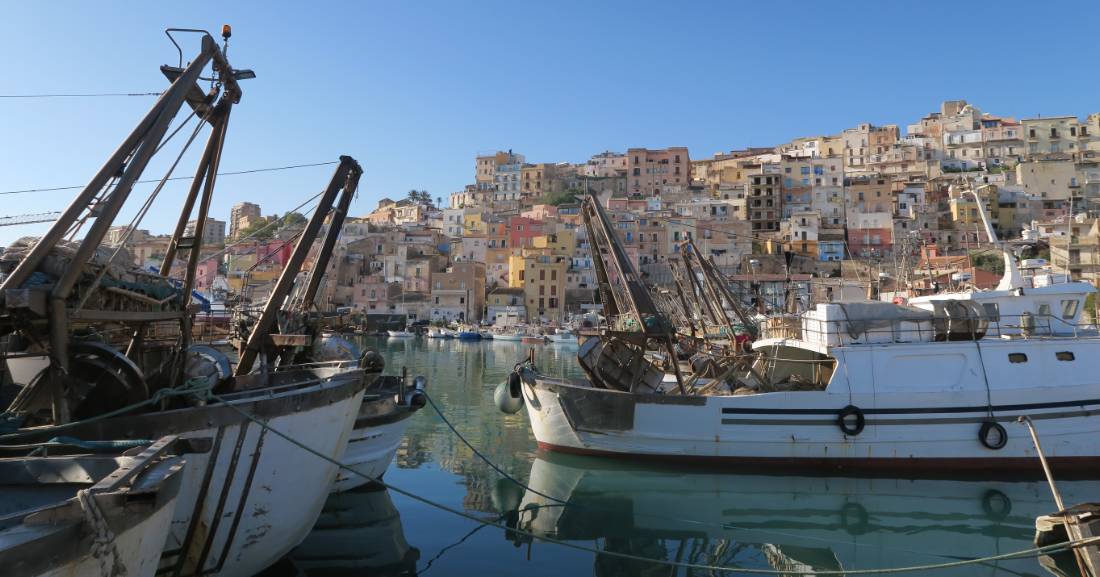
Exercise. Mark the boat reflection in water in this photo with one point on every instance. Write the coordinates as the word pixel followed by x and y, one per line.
pixel 359 533
pixel 784 523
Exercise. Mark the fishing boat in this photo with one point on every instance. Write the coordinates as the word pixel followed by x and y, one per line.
pixel 380 426
pixel 256 493
pixel 58 506
pixel 802 524
pixel 440 333
pixel 532 335
pixel 468 333
pixel 400 334
pixel 562 337
pixel 514 334
pixel 868 386
pixel 486 334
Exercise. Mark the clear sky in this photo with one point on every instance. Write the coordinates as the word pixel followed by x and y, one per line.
pixel 414 90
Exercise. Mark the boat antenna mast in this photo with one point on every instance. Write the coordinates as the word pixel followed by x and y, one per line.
pixel 1011 280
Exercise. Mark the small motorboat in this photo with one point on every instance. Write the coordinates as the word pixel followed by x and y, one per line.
pixel 400 334
pixel 562 337
pixel 533 338
pixel 486 334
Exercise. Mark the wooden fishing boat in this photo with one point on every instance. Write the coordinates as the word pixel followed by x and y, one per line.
pixel 78 513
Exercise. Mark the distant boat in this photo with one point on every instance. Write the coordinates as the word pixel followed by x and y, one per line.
pixel 515 334
pixel 536 338
pixel 486 334
pixel 562 337
pixel 469 335
pixel 400 334
pixel 440 333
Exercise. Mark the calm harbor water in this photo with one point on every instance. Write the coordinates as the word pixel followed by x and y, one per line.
pixel 794 524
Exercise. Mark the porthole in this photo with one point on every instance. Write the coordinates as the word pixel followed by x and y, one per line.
pixel 1017 358
pixel 1064 355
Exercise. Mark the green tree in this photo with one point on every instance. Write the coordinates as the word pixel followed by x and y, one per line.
pixel 292 218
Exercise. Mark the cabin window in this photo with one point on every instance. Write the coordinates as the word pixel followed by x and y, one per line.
pixel 1017 358
pixel 1064 355
pixel 993 311
pixel 1044 309
pixel 1069 308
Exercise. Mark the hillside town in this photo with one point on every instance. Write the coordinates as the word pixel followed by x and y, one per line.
pixel 872 205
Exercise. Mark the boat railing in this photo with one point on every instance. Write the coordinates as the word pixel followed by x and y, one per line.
pixel 843 331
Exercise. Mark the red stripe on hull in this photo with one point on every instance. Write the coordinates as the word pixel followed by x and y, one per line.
pixel 1019 467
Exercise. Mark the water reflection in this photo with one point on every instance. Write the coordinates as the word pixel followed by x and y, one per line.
pixel 795 524
pixel 359 533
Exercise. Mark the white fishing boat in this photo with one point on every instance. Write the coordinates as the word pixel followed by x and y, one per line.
pixel 379 428
pixel 562 337
pixel 515 334
pixel 800 524
pixel 867 386
pixel 254 495
pixel 54 509
pixel 400 334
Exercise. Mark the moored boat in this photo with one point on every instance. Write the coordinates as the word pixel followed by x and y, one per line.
pixel 400 334
pixel 867 387
pixel 562 337
pixel 379 428
pixel 57 510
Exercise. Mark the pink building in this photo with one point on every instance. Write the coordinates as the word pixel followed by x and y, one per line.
pixel 522 229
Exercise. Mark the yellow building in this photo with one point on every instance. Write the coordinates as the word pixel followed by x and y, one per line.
pixel 475 223
pixel 543 279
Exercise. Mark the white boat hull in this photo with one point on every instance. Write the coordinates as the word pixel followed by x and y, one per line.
pixel 400 334
pixel 801 429
pixel 370 451
pixel 255 495
pixel 138 549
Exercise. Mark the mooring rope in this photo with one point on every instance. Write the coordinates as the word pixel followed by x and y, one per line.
pixel 104 548
pixel 1025 553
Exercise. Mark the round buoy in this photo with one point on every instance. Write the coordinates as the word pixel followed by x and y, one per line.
pixel 851 420
pixel 504 398
pixel 993 435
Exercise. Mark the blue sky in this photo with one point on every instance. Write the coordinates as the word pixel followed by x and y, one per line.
pixel 414 90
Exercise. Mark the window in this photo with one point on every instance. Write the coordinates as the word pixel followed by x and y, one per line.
pixel 1069 308
pixel 553 275
pixel 1064 355
pixel 1044 309
pixel 993 311
pixel 1017 358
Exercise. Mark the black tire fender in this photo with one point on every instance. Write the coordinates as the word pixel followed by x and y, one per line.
pixel 842 420
pixel 1000 438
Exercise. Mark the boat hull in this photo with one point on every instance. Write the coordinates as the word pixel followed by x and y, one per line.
pixel 55 540
pixel 373 443
pixel 800 430
pixel 255 495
